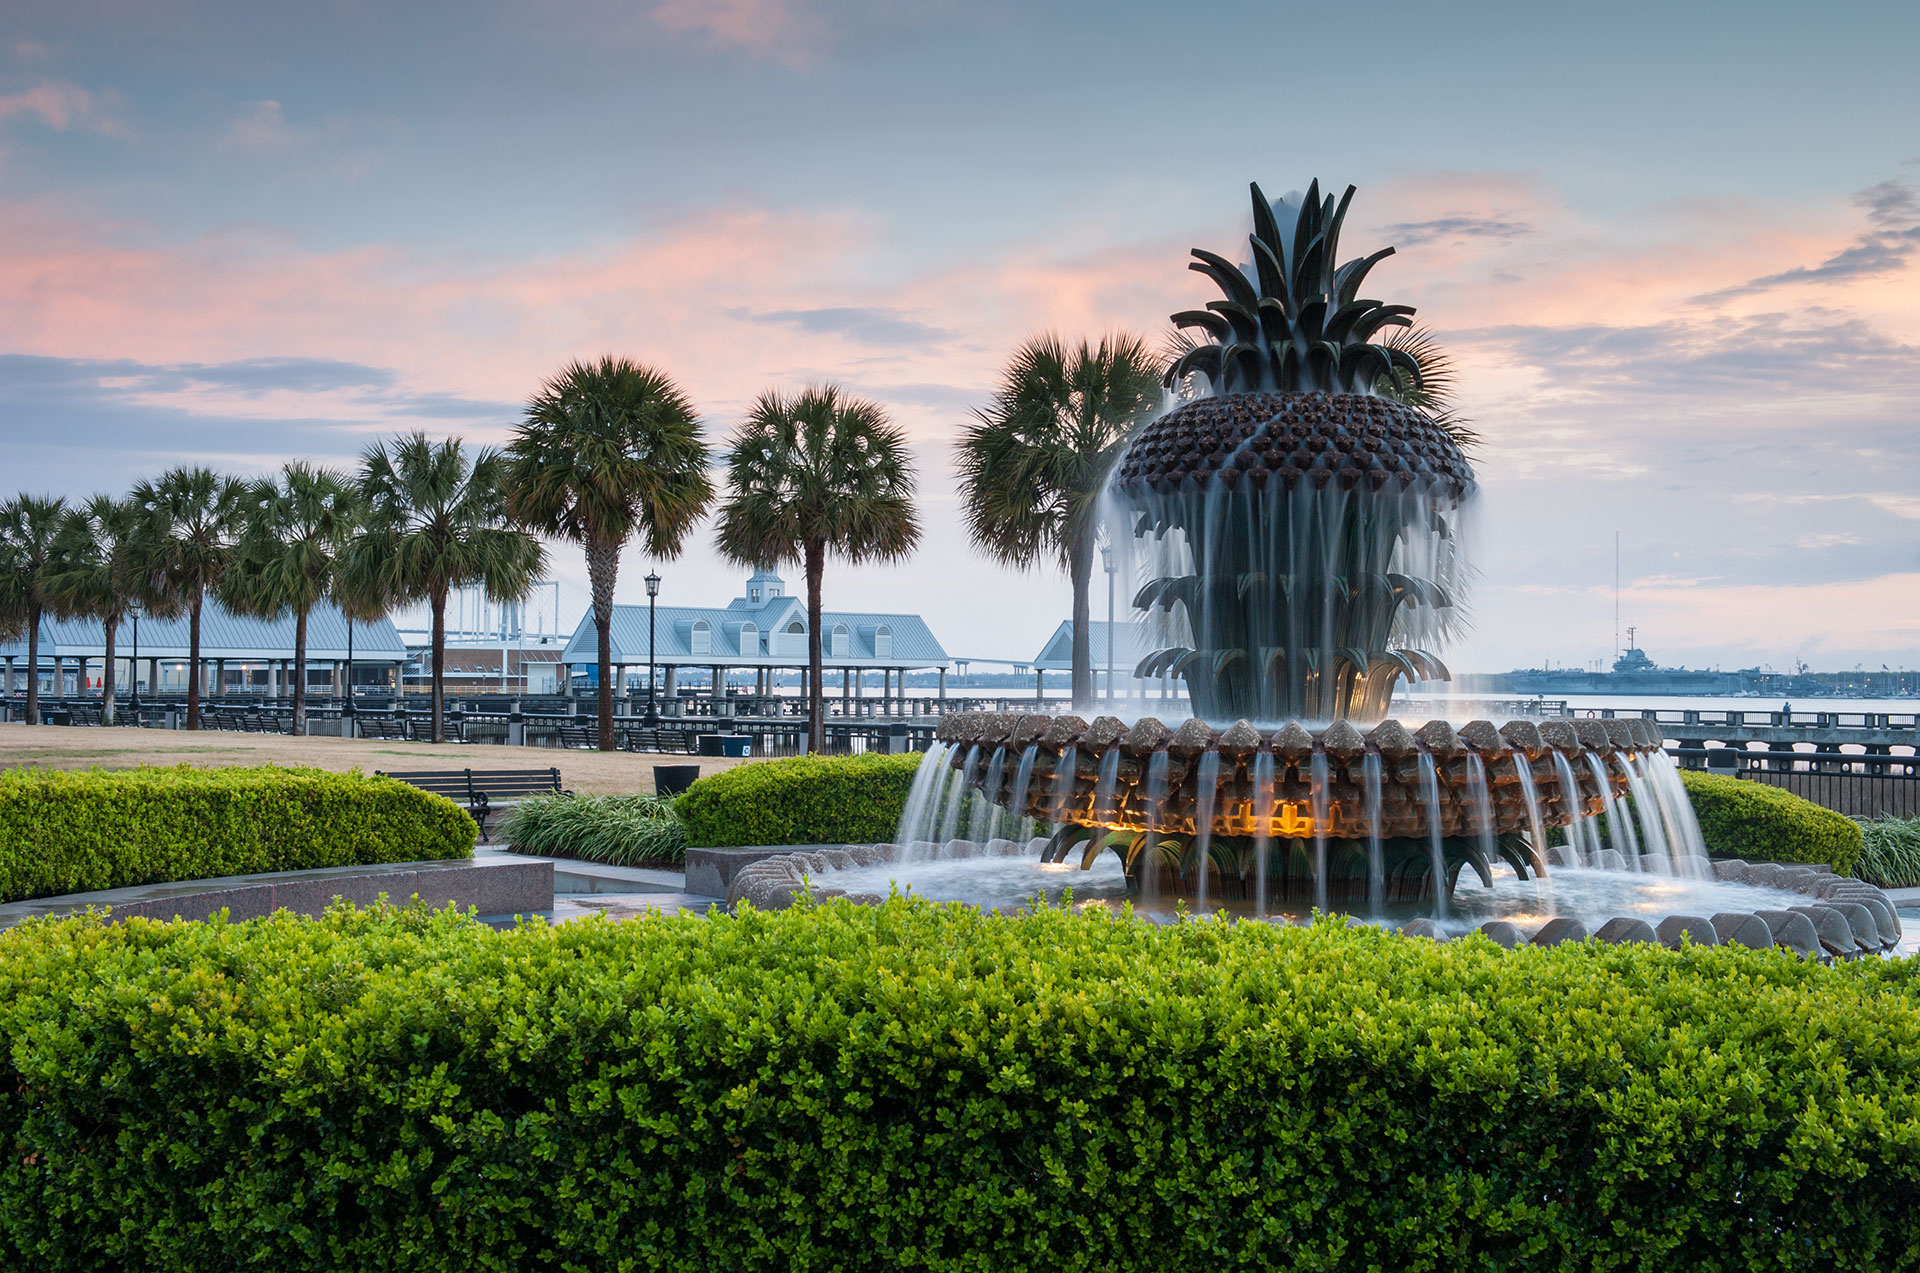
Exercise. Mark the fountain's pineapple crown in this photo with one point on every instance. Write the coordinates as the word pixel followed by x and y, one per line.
pixel 1307 327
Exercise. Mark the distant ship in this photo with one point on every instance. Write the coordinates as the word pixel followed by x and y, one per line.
pixel 1633 673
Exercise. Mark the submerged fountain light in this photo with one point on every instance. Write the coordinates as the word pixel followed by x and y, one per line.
pixel 1296 521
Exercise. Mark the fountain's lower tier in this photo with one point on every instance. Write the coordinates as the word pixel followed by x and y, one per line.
pixel 1293 782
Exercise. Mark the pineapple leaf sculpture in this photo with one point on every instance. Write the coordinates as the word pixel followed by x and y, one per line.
pixel 1297 521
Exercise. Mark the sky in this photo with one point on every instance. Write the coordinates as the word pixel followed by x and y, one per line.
pixel 1674 249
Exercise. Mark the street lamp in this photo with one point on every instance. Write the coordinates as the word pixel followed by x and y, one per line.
pixel 134 608
pixel 653 595
pixel 346 708
pixel 1106 563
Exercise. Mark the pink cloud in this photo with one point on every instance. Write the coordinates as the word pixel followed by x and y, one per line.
pixel 767 30
pixel 62 106
pixel 260 127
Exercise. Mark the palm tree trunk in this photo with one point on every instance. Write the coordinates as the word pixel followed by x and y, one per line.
pixel 603 564
pixel 438 732
pixel 299 673
pixel 109 628
pixel 816 706
pixel 33 665
pixel 1080 570
pixel 193 662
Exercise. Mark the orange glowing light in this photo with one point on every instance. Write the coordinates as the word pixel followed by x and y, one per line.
pixel 1292 822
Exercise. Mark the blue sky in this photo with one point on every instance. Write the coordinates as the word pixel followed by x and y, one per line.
pixel 1672 247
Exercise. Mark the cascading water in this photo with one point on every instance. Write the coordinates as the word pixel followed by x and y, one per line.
pixel 1480 798
pixel 1206 786
pixel 1430 784
pixel 1376 854
pixel 1266 796
pixel 1536 825
pixel 1319 801
pixel 1575 809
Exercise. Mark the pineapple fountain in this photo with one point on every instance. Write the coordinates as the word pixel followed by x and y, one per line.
pixel 1296 520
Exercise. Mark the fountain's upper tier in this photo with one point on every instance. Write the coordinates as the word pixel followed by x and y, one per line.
pixel 1264 439
pixel 1293 740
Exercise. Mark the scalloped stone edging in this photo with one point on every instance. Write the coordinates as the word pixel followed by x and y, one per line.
pixel 1844 918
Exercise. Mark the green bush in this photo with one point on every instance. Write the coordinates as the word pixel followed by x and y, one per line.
pixel 800 800
pixel 1740 818
pixel 63 832
pixel 914 1087
pixel 622 830
pixel 1890 853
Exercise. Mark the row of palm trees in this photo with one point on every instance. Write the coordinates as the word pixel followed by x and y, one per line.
pixel 605 452
pixel 419 519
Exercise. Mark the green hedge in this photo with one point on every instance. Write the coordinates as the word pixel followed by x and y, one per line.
pixel 1740 818
pixel 800 800
pixel 63 832
pixel 912 1087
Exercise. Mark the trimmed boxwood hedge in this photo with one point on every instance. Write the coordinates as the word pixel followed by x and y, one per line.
pixel 1740 818
pixel 65 832
pixel 915 1087
pixel 800 800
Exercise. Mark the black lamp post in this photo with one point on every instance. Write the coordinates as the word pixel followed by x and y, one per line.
pixel 1106 562
pixel 134 608
pixel 346 708
pixel 653 594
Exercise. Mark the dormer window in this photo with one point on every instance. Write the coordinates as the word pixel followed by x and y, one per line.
pixel 701 639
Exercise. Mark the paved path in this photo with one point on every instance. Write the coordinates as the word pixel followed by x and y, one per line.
pixel 590 773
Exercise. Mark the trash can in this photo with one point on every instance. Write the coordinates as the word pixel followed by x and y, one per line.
pixel 671 780
pixel 726 745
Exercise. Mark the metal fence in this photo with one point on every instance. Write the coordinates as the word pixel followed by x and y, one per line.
pixel 1858 784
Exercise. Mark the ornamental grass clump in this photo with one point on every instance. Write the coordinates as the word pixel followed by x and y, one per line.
pixel 912 1086
pixel 619 830
pixel 1890 855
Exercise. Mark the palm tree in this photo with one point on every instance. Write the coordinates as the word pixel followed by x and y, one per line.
pixel 96 576
pixel 607 449
pixel 815 473
pixel 189 522
pixel 29 531
pixel 1034 465
pixel 297 528
pixel 436 520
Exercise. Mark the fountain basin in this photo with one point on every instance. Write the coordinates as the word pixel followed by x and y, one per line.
pixel 1718 904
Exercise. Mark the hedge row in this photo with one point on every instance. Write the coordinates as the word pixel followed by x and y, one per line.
pixel 63 832
pixel 912 1087
pixel 1740 818
pixel 800 800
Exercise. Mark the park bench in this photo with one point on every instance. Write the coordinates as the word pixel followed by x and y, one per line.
pixel 391 728
pixel 583 737
pixel 678 741
pixel 481 788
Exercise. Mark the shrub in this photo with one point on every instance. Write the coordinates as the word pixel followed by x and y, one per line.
pixel 63 832
pixel 1890 853
pixel 1740 818
pixel 801 800
pixel 911 1087
pixel 618 829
